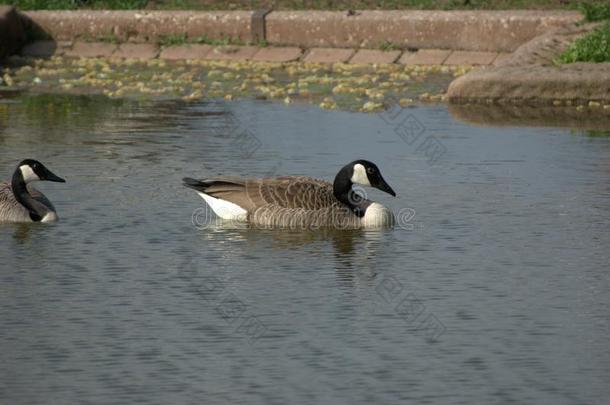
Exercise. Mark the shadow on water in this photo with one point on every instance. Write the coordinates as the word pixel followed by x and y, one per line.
pixel 596 119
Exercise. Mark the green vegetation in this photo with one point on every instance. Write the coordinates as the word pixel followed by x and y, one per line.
pixel 180 39
pixel 76 4
pixel 170 40
pixel 595 133
pixel 593 9
pixel 110 38
pixel 595 12
pixel 52 110
pixel 218 41
pixel 389 46
pixel 593 47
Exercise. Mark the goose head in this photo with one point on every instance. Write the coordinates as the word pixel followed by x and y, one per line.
pixel 367 173
pixel 32 170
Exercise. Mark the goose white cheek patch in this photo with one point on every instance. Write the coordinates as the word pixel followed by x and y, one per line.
pixel 359 176
pixel 28 174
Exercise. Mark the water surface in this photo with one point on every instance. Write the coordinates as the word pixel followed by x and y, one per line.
pixel 495 292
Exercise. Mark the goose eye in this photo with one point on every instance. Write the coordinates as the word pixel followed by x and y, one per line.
pixel 370 170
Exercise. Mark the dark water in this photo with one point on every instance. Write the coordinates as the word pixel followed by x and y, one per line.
pixel 497 291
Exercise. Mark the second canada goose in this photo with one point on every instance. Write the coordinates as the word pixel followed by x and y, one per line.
pixel 299 202
pixel 20 202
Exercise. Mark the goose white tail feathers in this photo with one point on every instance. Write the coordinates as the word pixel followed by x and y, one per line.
pixel 222 208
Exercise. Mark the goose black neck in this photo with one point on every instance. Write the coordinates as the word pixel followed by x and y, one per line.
pixel 342 189
pixel 22 195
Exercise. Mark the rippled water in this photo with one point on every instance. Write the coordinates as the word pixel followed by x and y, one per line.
pixel 495 292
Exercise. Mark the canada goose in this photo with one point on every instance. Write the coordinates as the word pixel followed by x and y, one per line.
pixel 299 202
pixel 20 202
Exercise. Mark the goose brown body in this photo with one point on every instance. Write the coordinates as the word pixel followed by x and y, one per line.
pixel 290 202
pixel 11 210
pixel 285 202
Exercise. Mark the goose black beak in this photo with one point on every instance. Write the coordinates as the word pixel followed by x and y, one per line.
pixel 383 186
pixel 50 176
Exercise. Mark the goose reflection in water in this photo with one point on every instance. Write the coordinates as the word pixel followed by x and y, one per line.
pixel 355 251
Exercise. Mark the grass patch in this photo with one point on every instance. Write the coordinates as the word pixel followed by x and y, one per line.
pixel 593 47
pixel 181 39
pixel 217 41
pixel 389 46
pixel 595 12
pixel 169 40
pixel 109 38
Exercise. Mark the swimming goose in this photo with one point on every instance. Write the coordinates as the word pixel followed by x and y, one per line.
pixel 299 202
pixel 20 202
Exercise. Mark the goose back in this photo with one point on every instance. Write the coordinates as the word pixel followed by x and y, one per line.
pixel 297 192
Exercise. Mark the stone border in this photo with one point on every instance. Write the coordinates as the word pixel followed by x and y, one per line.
pixel 481 31
pixel 141 26
pixel 47 48
pixel 531 76
pixel 491 31
pixel 430 37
